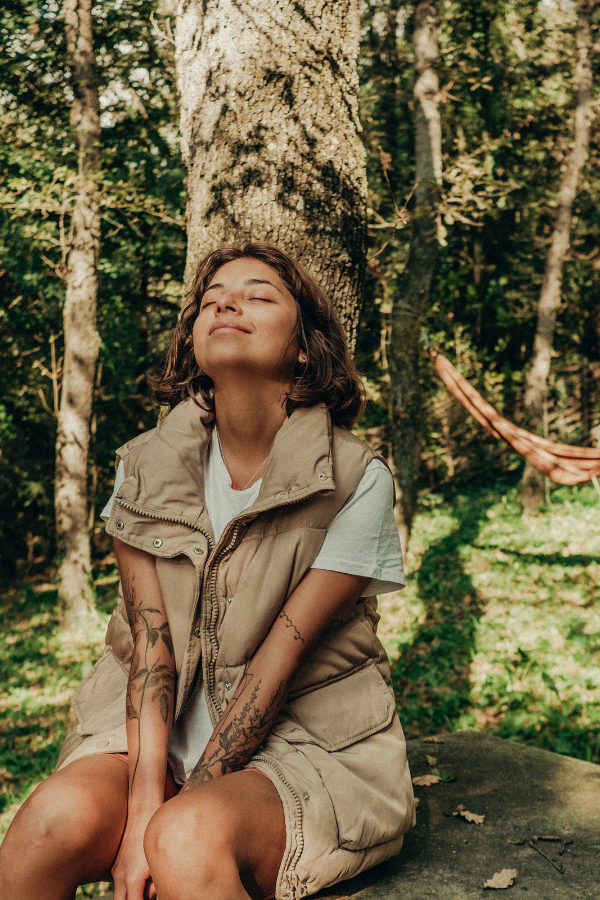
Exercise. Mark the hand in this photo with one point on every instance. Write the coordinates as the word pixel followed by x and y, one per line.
pixel 130 872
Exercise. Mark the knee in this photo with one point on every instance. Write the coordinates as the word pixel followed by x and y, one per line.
pixel 53 821
pixel 184 838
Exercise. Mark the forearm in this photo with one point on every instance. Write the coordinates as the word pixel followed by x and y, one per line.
pixel 150 689
pixel 245 724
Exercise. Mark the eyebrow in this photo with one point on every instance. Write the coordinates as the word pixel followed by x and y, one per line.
pixel 247 282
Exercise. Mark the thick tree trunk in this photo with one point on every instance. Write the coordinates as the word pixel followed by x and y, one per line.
pixel 414 284
pixel 532 488
pixel 270 134
pixel 81 337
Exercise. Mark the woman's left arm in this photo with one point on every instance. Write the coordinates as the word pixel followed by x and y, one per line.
pixel 319 598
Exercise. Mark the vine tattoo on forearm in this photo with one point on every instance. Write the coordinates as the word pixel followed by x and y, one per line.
pixel 239 733
pixel 289 624
pixel 145 676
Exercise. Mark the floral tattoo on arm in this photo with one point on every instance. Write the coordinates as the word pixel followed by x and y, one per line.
pixel 240 731
pixel 146 678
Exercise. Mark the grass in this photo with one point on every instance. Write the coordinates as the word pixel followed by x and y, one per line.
pixel 499 626
pixel 498 629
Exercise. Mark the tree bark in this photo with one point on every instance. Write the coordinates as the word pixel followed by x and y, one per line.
pixel 80 334
pixel 414 284
pixel 270 135
pixel 532 487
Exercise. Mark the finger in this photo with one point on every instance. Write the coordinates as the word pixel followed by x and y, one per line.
pixel 151 890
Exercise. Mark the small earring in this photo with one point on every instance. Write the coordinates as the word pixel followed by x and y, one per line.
pixel 303 360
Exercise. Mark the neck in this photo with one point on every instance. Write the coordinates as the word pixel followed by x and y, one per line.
pixel 248 418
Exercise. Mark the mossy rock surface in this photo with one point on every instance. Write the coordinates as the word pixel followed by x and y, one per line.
pixel 522 792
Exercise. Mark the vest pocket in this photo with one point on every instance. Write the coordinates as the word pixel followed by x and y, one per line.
pixel 99 701
pixel 340 713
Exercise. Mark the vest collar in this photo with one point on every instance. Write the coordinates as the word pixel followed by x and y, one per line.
pixel 168 478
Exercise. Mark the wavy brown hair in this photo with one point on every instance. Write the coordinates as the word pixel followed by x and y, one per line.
pixel 329 375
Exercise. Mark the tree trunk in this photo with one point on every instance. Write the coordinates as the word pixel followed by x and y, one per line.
pixel 532 487
pixel 270 135
pixel 81 338
pixel 414 284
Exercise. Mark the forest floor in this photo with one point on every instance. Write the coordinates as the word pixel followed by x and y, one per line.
pixel 498 629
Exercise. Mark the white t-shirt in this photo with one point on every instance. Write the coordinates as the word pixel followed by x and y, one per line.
pixel 361 540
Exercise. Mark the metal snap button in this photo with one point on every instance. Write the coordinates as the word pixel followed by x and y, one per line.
pixel 306 797
pixel 321 476
pixel 199 550
pixel 157 543
pixel 230 599
pixel 197 632
pixel 228 686
pixel 120 525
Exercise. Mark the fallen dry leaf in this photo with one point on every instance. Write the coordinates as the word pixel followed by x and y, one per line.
pixel 461 810
pixel 426 780
pixel 432 740
pixel 431 760
pixel 502 879
pixel 546 837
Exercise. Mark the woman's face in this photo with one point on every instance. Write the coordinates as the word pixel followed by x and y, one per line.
pixel 246 318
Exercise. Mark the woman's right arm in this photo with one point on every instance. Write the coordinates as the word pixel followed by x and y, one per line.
pixel 150 694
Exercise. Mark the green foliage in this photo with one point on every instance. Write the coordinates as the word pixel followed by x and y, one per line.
pixel 506 79
pixel 499 623
pixel 142 256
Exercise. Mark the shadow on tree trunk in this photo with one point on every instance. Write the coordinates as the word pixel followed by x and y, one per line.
pixel 432 676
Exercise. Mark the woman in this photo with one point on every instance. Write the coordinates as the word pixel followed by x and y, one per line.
pixel 238 737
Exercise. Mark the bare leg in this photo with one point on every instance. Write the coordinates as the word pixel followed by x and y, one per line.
pixel 67 833
pixel 223 840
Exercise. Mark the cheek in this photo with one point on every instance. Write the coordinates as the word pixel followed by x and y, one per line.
pixel 198 341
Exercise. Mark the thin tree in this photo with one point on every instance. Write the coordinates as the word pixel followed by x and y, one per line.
pixel 80 334
pixel 536 387
pixel 270 134
pixel 412 292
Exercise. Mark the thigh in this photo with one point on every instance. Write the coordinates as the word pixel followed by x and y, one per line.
pixel 71 826
pixel 239 816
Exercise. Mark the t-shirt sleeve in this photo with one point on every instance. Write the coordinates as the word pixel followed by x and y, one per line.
pixel 363 538
pixel 119 479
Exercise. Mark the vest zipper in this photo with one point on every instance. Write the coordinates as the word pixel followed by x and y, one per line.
pixel 179 520
pixel 297 808
pixel 214 615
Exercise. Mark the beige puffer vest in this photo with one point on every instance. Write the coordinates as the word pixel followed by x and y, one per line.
pixel 336 752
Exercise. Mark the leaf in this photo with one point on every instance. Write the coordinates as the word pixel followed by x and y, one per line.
pixel 546 837
pixel 150 609
pixel 426 780
pixel 131 712
pixel 502 879
pixel 550 682
pixel 443 776
pixel 156 692
pixel 153 636
pixel 140 674
pixel 462 810
pixel 518 841
pixel 167 642
pixel 164 708
pixel 431 760
pixel 432 740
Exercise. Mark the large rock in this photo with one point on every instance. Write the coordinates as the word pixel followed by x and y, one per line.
pixel 522 792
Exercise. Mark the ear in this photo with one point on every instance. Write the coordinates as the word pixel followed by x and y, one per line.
pixel 302 357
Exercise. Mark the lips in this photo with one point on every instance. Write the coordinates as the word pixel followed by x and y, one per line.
pixel 218 326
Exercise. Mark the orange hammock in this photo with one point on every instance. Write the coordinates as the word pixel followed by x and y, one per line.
pixel 562 463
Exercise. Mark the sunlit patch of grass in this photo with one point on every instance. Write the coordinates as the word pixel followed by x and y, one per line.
pixel 38 672
pixel 535 647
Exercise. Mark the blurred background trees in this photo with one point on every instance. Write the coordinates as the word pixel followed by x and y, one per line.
pixel 506 96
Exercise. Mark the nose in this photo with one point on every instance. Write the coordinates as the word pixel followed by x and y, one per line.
pixel 227 302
